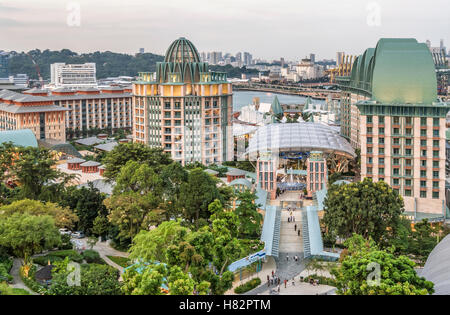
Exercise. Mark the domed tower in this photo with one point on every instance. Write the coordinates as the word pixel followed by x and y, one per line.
pixel 183 51
pixel 181 64
pixel 184 108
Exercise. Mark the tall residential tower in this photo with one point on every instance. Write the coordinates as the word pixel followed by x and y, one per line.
pixel 391 112
pixel 184 108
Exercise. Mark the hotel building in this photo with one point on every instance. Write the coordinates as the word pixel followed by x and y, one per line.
pixel 184 108
pixel 49 114
pixel 37 113
pixel 391 112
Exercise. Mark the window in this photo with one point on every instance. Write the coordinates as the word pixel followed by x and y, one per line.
pixel 435 174
pixel 396 151
pixel 436 143
pixel 408 141
pixel 381 151
pixel 369 119
pixel 408 151
pixel 435 194
pixel 369 130
pixel 369 160
pixel 381 131
pixel 407 182
pixel 381 161
pixel 435 164
pixel 396 161
pixel 435 122
pixel 408 162
pixel 408 131
pixel 396 171
pixel 396 181
pixel 423 194
pixel 381 140
pixel 424 153
pixel 396 141
pixel 408 172
pixel 435 154
pixel 369 170
pixel 423 143
pixel 381 171
pixel 423 173
pixel 423 183
pixel 435 185
pixel 423 163
pixel 381 119
pixel 369 140
pixel 436 133
pixel 423 132
pixel 396 120
pixel 408 192
pixel 423 121
pixel 408 120
pixel 369 150
pixel 396 131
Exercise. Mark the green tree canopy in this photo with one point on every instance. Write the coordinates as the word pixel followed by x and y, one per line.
pixel 25 235
pixel 64 217
pixel 138 152
pixel 367 270
pixel 250 218
pixel 365 208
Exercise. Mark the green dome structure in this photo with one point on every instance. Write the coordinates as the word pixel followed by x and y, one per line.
pixel 182 51
pixel 182 64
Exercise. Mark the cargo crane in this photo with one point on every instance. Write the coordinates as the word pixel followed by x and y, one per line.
pixel 38 70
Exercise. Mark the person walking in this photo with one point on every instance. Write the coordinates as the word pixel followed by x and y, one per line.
pixel 272 273
pixel 298 232
pixel 295 227
pixel 285 283
pixel 278 288
pixel 287 257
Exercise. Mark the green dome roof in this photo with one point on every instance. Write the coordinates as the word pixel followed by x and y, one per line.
pixel 183 51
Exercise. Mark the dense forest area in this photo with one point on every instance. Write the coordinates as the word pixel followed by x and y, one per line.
pixel 109 64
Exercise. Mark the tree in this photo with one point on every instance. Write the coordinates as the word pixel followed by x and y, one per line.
pixel 152 245
pixel 143 279
pixel 195 195
pixel 173 176
pixel 423 240
pixel 132 212
pixel 101 226
pixel 33 169
pixel 26 234
pixel 64 217
pixel 365 208
pixel 396 274
pixel 87 203
pixel 139 178
pixel 250 218
pixel 138 152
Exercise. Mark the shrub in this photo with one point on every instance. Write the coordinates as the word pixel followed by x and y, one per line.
pixel 322 280
pixel 5 267
pixel 30 282
pixel 121 261
pixel 92 256
pixel 249 285
pixel 58 256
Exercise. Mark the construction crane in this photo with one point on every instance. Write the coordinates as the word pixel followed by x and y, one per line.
pixel 41 80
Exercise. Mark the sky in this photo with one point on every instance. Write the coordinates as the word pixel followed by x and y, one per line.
pixel 267 29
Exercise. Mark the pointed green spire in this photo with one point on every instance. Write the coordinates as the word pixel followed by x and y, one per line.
pixel 276 107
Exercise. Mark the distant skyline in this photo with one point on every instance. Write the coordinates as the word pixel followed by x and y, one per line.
pixel 267 29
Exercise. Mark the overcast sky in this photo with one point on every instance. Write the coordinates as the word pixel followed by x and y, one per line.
pixel 266 28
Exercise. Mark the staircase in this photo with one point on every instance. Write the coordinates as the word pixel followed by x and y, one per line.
pixel 305 234
pixel 276 234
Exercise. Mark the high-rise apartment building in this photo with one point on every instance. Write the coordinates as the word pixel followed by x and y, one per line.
pixel 391 112
pixel 184 108
pixel 73 76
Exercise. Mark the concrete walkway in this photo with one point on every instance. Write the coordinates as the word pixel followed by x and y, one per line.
pixel 17 280
pixel 104 250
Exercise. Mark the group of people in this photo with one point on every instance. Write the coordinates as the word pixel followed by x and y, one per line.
pixel 291 218
pixel 275 280
pixel 295 258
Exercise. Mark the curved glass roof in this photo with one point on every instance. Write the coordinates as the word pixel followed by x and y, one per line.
pixel 21 137
pixel 302 137
pixel 437 268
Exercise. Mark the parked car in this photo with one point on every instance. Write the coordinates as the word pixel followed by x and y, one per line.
pixel 77 234
pixel 65 232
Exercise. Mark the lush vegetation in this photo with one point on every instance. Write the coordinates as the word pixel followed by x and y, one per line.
pixel 367 270
pixel 364 208
pixel 249 285
pixel 121 261
pixel 7 290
